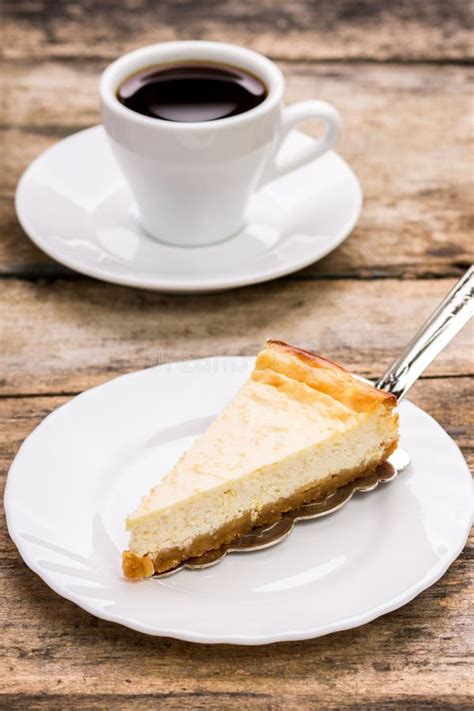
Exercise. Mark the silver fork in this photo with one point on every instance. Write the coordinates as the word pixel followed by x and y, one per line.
pixel 446 321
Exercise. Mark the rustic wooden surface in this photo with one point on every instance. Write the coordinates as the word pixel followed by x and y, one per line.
pixel 401 75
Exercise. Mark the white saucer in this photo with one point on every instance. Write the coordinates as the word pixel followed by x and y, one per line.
pixel 88 464
pixel 74 204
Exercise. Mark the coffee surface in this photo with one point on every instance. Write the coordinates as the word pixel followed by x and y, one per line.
pixel 191 92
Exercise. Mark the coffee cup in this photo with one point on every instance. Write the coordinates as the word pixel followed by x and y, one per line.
pixel 192 180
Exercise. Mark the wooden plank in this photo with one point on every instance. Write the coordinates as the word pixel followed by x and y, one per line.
pixel 297 29
pixel 67 336
pixel 406 132
pixel 449 400
pixel 54 655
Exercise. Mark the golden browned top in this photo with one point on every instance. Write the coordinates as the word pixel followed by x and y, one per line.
pixel 322 374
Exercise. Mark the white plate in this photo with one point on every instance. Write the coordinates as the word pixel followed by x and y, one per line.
pixel 74 204
pixel 88 464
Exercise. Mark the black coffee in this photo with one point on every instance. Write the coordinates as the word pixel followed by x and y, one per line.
pixel 191 92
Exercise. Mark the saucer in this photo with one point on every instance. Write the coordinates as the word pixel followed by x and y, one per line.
pixel 74 204
pixel 89 463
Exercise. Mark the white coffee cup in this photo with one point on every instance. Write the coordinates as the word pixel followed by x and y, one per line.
pixel 192 181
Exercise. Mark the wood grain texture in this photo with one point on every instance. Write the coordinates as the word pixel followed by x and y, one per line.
pixel 407 133
pixel 296 29
pixel 54 655
pixel 67 336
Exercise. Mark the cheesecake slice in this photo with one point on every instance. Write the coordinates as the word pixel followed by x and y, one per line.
pixel 300 427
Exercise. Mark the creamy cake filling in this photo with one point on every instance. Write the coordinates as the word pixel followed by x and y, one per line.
pixel 250 491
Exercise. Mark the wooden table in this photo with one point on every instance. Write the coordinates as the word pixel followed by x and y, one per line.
pixel 400 74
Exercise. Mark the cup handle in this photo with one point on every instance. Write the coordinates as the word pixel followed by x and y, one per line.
pixel 292 115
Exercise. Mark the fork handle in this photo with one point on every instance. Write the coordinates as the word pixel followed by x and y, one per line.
pixel 445 322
